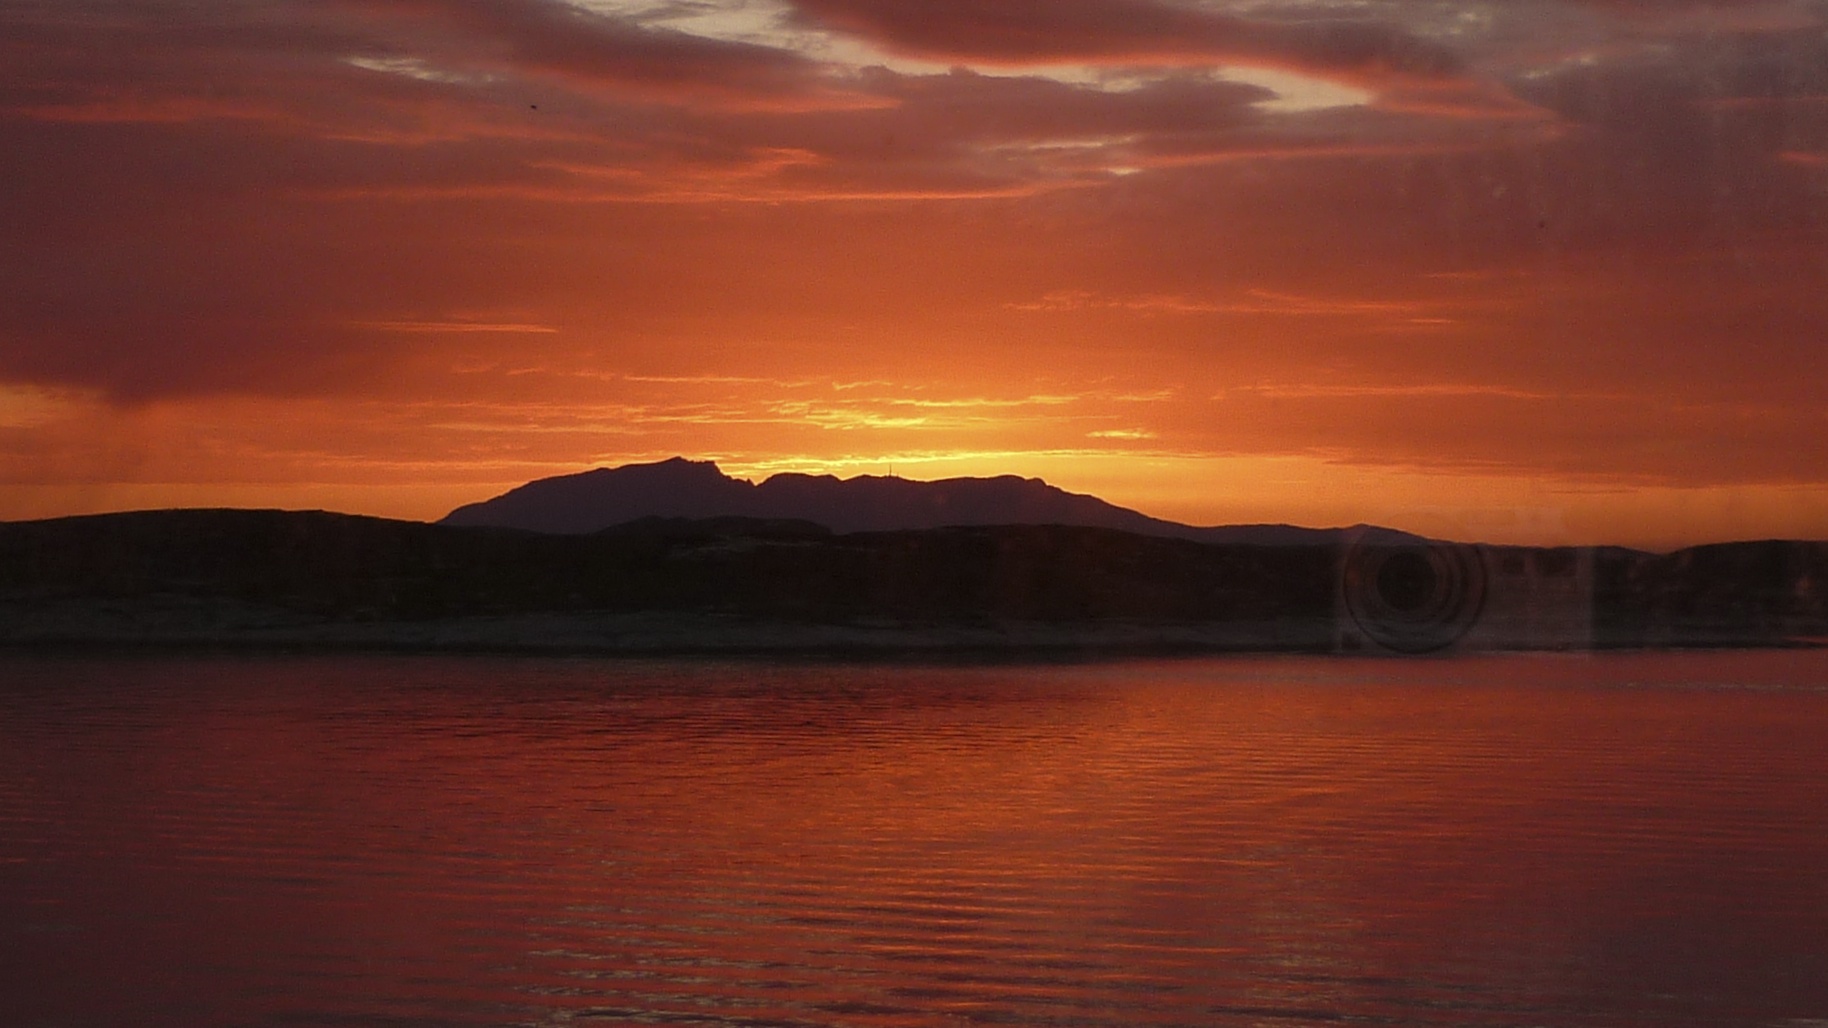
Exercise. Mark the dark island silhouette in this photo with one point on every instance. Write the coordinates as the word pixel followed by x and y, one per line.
pixel 676 557
pixel 595 500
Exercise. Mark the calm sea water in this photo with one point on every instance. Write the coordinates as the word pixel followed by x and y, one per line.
pixel 1620 841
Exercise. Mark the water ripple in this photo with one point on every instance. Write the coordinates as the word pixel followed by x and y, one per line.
pixel 1630 841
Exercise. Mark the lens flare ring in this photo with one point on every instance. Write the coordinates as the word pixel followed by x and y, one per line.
pixel 1413 595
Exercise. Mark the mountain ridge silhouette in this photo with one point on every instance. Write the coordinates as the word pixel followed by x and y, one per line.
pixel 602 498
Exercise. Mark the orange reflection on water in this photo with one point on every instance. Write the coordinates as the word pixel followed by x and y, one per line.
pixel 1621 840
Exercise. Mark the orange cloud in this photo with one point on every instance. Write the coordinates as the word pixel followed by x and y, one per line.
pixel 330 247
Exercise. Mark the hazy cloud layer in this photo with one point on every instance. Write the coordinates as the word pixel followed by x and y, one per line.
pixel 1130 32
pixel 1542 238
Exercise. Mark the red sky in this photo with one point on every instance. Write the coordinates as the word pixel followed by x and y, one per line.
pixel 1534 270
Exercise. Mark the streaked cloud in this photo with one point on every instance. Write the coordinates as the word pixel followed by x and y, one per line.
pixel 511 327
pixel 1570 242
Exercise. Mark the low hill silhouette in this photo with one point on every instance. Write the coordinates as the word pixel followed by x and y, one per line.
pixel 308 577
pixel 731 583
pixel 678 488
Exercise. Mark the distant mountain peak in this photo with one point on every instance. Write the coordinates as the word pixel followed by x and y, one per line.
pixel 669 466
pixel 677 487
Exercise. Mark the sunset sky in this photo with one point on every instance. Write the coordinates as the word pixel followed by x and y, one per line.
pixel 1530 270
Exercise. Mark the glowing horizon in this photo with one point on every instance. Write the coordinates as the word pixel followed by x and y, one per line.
pixel 1545 275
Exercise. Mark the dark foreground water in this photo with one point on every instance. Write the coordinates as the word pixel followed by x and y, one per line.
pixel 1626 840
